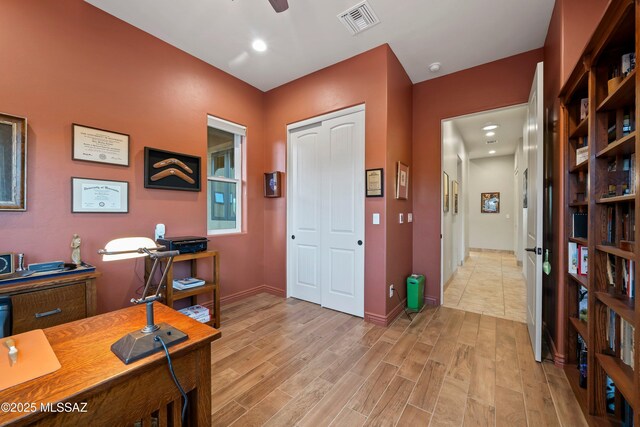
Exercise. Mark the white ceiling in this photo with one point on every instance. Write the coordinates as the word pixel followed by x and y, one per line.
pixel 507 137
pixel 458 33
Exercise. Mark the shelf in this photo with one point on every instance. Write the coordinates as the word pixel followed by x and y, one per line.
pixel 621 374
pixel 197 255
pixel 582 167
pixel 573 375
pixel 616 252
pixel 579 241
pixel 623 96
pixel 580 279
pixel 582 129
pixel 621 304
pixel 623 146
pixel 579 204
pixel 186 293
pixel 617 199
pixel 581 328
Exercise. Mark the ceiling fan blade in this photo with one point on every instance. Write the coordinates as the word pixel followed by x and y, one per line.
pixel 279 5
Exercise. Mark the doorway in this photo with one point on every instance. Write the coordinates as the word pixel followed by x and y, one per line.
pixel 325 210
pixel 481 255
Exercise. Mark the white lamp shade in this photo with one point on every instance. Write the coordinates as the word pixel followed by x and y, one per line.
pixel 130 246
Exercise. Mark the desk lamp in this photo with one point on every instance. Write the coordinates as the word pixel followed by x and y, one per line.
pixel 139 344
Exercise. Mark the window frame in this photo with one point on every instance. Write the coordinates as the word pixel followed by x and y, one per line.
pixel 239 133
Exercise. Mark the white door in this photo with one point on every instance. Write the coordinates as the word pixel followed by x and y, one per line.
pixel 533 258
pixel 326 218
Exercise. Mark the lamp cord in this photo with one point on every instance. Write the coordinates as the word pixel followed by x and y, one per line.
pixel 175 380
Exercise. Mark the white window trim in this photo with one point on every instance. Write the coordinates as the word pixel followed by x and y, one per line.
pixel 240 133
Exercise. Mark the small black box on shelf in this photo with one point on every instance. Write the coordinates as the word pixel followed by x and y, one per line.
pixel 579 225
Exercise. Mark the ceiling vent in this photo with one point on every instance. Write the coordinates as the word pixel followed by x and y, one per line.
pixel 359 18
pixel 493 141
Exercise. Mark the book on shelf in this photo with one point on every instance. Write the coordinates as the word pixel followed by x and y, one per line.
pixel 579 225
pixel 628 63
pixel 609 226
pixel 582 362
pixel 583 258
pixel 584 108
pixel 610 332
pixel 583 303
pixel 627 350
pixel 187 283
pixel 582 155
pixel 573 258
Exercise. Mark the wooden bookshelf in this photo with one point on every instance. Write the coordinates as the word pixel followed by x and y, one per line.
pixel 609 132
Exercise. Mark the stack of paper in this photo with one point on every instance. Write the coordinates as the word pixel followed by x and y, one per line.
pixel 197 312
pixel 187 283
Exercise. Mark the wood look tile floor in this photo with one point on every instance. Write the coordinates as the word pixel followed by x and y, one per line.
pixel 291 363
pixel 489 283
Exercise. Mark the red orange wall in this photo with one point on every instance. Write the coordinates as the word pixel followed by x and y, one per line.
pixel 66 61
pixel 497 84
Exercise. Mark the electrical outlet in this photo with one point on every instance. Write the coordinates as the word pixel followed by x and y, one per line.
pixel 409 217
pixel 391 291
pixel 401 218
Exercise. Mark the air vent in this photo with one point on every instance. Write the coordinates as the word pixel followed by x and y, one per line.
pixel 359 18
pixel 492 141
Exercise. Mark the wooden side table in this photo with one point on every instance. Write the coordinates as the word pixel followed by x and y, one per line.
pixel 211 286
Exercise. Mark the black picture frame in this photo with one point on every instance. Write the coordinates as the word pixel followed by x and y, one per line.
pixel 168 170
pixel 375 182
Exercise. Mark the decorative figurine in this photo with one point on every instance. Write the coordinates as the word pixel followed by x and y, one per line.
pixel 75 250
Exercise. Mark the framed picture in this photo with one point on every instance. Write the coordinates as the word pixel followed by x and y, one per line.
pixel 99 146
pixel 490 202
pixel 273 184
pixel 455 197
pixel 445 192
pixel 13 163
pixel 99 196
pixel 375 182
pixel 402 182
pixel 167 170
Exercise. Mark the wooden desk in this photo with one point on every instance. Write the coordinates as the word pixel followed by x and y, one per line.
pixel 115 393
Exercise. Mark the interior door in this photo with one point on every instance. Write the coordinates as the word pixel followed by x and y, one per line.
pixel 326 188
pixel 533 259
pixel 342 193
pixel 305 216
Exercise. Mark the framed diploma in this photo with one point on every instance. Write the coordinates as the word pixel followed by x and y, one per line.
pixel 100 146
pixel 98 196
pixel 375 182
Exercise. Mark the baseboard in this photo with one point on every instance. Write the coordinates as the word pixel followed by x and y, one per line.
pixel 558 358
pixel 253 291
pixel 446 285
pixel 495 251
pixel 432 301
pixel 380 320
pixel 519 263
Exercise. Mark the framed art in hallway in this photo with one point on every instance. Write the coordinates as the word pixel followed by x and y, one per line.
pixel 445 192
pixel 375 182
pixel 490 202
pixel 455 197
pixel 402 182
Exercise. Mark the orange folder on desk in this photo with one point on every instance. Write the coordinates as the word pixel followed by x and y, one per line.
pixel 35 359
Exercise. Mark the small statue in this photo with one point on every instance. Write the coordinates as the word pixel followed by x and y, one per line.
pixel 75 250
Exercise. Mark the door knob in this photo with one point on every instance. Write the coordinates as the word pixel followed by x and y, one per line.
pixel 293 237
pixel 535 250
pixel 359 242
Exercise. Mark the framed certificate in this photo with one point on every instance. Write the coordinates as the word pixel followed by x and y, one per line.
pixel 100 146
pixel 99 196
pixel 375 182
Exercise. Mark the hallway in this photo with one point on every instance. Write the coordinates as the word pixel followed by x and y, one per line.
pixel 489 283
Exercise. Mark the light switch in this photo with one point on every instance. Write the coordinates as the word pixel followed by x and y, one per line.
pixel 508 216
pixel 409 217
pixel 401 218
pixel 376 219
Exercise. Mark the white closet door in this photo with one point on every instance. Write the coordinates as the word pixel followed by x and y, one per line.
pixel 343 215
pixel 305 218
pixel 326 187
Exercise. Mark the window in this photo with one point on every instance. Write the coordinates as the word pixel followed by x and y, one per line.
pixel 224 176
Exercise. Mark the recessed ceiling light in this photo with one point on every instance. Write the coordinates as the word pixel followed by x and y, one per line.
pixel 490 127
pixel 490 133
pixel 259 45
pixel 435 67
pixel 492 152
